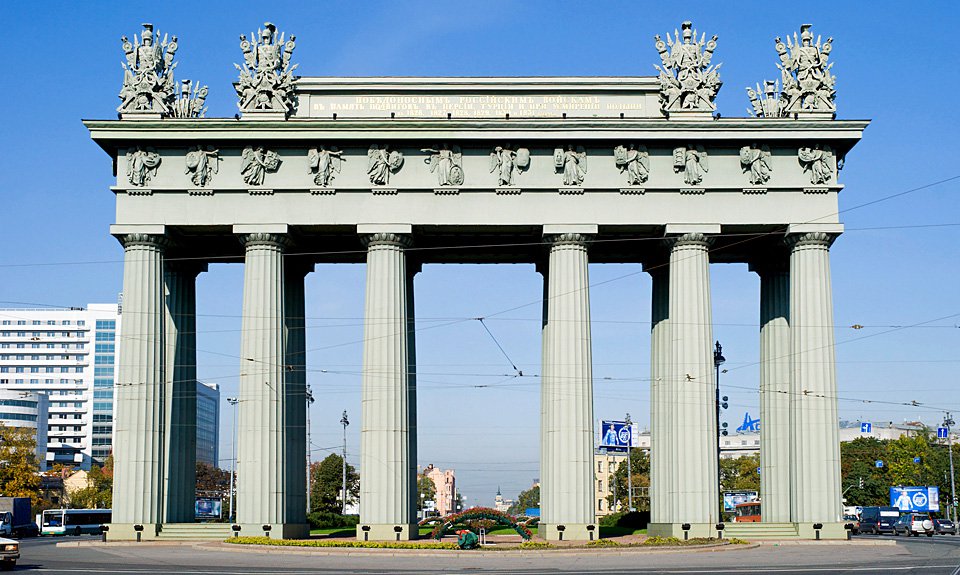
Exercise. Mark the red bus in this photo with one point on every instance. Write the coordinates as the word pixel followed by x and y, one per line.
pixel 747 512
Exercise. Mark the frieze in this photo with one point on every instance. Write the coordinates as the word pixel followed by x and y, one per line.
pixel 755 161
pixel 446 162
pixel 507 163
pixel 201 163
pixel 324 164
pixel 692 161
pixel 142 165
pixel 256 163
pixel 818 162
pixel 381 162
pixel 633 161
pixel 572 163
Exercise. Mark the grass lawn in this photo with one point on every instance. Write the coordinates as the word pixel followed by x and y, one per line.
pixel 509 531
pixel 335 532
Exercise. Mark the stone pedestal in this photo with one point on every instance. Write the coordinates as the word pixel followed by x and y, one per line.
pixel 567 426
pixel 775 352
pixel 388 432
pixel 267 473
pixel 139 426
pixel 181 392
pixel 816 463
pixel 691 395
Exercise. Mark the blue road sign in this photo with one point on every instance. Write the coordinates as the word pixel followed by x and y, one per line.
pixel 916 460
pixel 941 433
pixel 879 463
pixel 866 427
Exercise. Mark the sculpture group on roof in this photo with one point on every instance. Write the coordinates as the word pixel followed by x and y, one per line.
pixel 689 82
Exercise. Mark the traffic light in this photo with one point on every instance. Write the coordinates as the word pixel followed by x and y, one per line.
pixel 860 483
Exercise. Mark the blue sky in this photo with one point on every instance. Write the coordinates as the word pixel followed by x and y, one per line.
pixel 896 267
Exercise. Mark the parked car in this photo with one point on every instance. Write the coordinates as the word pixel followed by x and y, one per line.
pixel 878 520
pixel 914 524
pixel 944 527
pixel 9 553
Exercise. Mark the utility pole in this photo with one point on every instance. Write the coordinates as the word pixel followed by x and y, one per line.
pixel 629 466
pixel 309 403
pixel 947 422
pixel 718 360
pixel 233 401
pixel 345 422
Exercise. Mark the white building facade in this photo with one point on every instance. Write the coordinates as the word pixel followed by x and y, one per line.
pixel 69 355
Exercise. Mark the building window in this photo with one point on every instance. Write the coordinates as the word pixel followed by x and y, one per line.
pixel 599 504
pixel 600 486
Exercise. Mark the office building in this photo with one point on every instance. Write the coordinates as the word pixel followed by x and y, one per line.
pixel 208 423
pixel 70 356
pixel 27 410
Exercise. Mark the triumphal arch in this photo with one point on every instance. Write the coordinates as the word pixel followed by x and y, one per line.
pixel 393 172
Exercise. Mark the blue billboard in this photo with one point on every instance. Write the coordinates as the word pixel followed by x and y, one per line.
pixel 614 435
pixel 915 498
pixel 208 508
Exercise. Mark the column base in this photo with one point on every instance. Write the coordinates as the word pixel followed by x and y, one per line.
pixel 676 530
pixel 571 531
pixel 126 532
pixel 387 532
pixel 277 530
pixel 829 531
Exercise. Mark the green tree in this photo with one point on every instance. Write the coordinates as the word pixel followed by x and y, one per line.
pixel 863 483
pixel 19 467
pixel 426 490
pixel 740 473
pixel 639 480
pixel 213 481
pixel 98 494
pixel 326 480
pixel 526 499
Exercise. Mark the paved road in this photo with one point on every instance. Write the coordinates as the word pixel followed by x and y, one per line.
pixel 928 556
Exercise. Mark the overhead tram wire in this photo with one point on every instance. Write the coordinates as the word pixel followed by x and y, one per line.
pixel 500 347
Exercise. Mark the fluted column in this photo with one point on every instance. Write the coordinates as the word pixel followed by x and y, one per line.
pixel 388 397
pixel 567 433
pixel 775 441
pixel 180 392
pixel 662 454
pixel 691 387
pixel 139 425
pixel 296 391
pixel 816 465
pixel 263 468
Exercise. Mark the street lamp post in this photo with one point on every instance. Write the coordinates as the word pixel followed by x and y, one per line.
pixel 233 401
pixel 345 422
pixel 309 403
pixel 629 466
pixel 947 422
pixel 718 360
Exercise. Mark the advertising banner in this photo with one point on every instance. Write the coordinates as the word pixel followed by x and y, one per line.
pixel 915 498
pixel 208 508
pixel 615 435
pixel 732 498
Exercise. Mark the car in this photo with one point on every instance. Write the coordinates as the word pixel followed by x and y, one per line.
pixel 854 522
pixel 878 520
pixel 9 553
pixel 944 527
pixel 914 524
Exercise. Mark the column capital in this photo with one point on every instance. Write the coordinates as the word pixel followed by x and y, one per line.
pixel 811 239
pixel 264 239
pixel 387 239
pixel 146 240
pixel 694 239
pixel 576 239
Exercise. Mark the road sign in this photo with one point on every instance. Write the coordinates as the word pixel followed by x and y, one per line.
pixel 879 463
pixel 942 433
pixel 866 427
pixel 916 460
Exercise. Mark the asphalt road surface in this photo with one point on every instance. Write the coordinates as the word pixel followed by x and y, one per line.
pixel 939 555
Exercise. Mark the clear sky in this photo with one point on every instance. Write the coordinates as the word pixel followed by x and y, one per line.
pixel 895 270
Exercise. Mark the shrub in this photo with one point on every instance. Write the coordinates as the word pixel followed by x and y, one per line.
pixel 327 520
pixel 604 543
pixel 657 541
pixel 535 545
pixel 329 543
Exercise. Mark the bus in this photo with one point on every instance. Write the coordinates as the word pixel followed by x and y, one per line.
pixel 73 521
pixel 748 512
